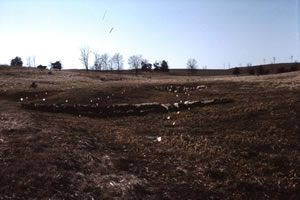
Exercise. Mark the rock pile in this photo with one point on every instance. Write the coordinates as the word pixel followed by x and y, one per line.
pixel 180 88
pixel 120 109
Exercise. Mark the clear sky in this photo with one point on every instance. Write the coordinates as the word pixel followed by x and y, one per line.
pixel 216 33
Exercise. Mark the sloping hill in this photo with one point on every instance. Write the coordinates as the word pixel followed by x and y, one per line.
pixel 245 149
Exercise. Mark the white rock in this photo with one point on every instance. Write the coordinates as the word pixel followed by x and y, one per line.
pixel 159 139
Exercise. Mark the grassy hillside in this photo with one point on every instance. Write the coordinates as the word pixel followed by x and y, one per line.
pixel 246 149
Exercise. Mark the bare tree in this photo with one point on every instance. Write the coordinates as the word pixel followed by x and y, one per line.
pixel 97 61
pixel 33 61
pixel 192 64
pixel 29 64
pixel 135 62
pixel 110 64
pixel 292 58
pixel 104 58
pixel 84 57
pixel 117 60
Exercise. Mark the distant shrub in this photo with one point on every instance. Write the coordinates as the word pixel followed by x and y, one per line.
pixel 294 68
pixel 281 70
pixel 161 67
pixel 56 65
pixel 33 85
pixel 266 71
pixel 164 66
pixel 147 67
pixel 50 72
pixel 156 66
pixel 41 67
pixel 17 61
pixel 251 71
pixel 291 69
pixel 261 71
pixel 236 71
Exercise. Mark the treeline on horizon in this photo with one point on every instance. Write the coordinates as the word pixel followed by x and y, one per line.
pixel 137 63
pixel 104 62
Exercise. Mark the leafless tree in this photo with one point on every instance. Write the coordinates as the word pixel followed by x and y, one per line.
pixel 84 56
pixel 292 58
pixel 97 61
pixel 104 59
pixel 33 61
pixel 117 60
pixel 110 64
pixel 29 64
pixel 192 64
pixel 135 62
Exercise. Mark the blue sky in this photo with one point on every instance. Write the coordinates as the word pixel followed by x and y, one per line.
pixel 216 33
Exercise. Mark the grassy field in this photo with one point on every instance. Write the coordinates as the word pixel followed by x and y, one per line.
pixel 247 149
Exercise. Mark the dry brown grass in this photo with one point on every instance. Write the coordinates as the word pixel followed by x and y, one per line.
pixel 248 149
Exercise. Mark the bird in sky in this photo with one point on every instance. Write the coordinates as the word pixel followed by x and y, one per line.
pixel 111 29
pixel 104 15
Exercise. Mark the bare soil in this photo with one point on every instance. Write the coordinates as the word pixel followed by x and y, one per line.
pixel 247 149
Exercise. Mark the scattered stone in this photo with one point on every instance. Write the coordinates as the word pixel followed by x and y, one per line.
pixel 158 139
pixel 180 88
pixel 176 105
pixel 201 87
pixel 120 109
